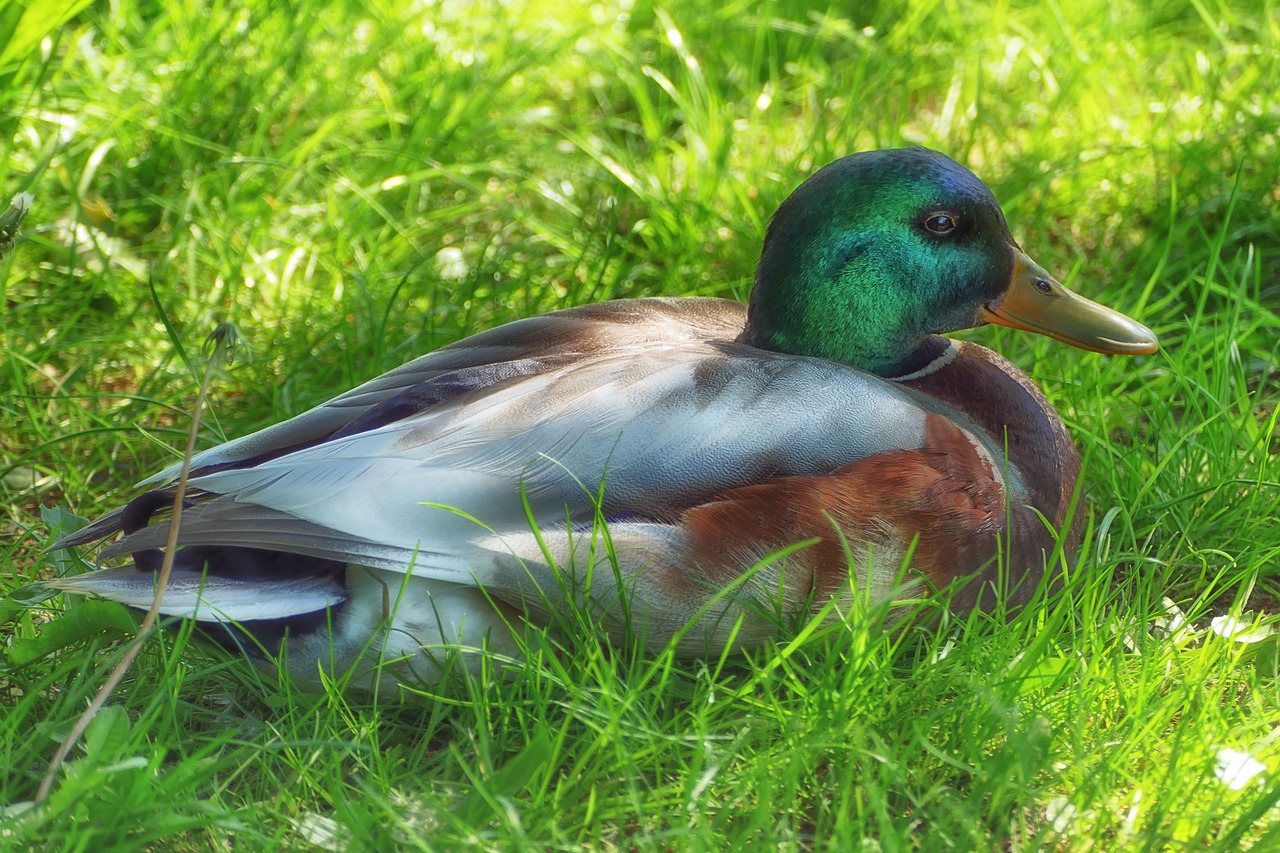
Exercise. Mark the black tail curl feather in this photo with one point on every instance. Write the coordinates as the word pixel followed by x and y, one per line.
pixel 137 514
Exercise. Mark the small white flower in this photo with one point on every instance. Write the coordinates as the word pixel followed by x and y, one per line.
pixel 1242 632
pixel 1174 624
pixel 451 264
pixel 1236 769
pixel 1130 821
pixel 1060 814
pixel 324 832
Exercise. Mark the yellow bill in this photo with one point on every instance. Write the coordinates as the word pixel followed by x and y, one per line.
pixel 1037 302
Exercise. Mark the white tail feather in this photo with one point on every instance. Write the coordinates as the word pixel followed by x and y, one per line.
pixel 207 598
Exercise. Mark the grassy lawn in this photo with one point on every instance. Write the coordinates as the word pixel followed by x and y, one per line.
pixel 353 184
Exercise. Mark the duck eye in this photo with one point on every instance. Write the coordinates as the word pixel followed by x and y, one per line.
pixel 941 224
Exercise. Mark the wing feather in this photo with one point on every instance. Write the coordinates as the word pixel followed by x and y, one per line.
pixel 524 347
pixel 226 521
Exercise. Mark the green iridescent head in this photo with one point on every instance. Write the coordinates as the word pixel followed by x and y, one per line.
pixel 877 252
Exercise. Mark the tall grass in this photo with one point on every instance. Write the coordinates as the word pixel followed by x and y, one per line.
pixel 353 184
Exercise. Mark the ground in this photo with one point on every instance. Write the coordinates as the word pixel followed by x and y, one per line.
pixel 354 184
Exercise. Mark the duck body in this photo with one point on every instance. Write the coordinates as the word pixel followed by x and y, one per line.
pixel 672 465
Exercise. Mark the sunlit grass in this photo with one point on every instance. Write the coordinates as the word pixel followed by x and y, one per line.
pixel 353 185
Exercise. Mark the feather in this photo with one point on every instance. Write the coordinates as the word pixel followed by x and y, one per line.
pixel 210 598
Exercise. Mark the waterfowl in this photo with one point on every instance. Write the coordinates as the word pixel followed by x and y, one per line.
pixel 745 460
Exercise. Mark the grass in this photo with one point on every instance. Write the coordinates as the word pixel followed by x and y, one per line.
pixel 353 184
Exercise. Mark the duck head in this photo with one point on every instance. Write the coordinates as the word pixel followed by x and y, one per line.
pixel 877 252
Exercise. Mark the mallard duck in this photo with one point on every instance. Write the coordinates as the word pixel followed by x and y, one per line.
pixel 685 468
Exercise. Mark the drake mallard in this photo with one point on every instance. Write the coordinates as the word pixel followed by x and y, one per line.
pixel 750 463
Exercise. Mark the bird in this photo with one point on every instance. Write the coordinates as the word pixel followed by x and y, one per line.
pixel 685 470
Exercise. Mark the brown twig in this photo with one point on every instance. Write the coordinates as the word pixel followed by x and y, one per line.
pixel 220 343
